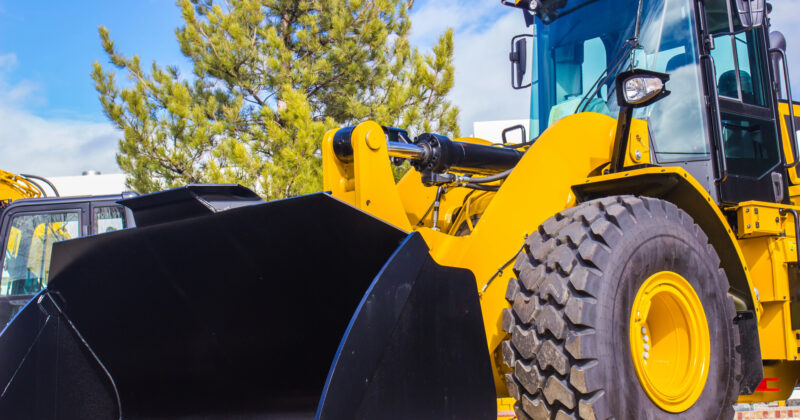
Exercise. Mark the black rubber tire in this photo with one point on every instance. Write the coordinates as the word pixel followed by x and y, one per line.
pixel 576 281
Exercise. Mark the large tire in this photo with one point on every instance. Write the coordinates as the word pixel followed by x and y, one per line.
pixel 577 277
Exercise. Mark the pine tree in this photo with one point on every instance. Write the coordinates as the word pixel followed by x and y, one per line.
pixel 270 77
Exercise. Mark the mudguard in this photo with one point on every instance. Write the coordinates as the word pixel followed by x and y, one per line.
pixel 299 308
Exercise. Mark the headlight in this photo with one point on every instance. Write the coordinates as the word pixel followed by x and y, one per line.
pixel 638 88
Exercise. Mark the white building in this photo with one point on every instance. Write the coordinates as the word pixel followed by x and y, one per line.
pixel 91 183
pixel 493 130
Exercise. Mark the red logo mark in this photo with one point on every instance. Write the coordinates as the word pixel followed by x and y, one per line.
pixel 764 387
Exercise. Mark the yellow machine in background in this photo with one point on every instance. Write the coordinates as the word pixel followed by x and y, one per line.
pixel 14 187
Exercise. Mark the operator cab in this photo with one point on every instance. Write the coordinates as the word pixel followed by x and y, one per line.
pixel 720 120
pixel 29 229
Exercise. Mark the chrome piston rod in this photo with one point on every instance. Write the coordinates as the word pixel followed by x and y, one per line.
pixel 406 150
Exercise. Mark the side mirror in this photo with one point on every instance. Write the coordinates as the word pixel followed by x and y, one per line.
pixel 519 60
pixel 639 88
pixel 751 12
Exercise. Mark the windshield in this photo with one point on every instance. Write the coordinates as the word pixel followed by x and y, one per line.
pixel 584 39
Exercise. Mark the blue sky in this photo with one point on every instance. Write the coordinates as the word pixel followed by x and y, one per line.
pixel 51 122
pixel 55 44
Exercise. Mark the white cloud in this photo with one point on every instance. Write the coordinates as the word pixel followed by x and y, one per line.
pixel 784 18
pixel 8 61
pixel 431 18
pixel 483 30
pixel 31 144
pixel 482 86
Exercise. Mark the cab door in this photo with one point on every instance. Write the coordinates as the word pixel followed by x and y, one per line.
pixel 753 160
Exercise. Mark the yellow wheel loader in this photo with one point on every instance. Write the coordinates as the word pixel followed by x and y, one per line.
pixel 635 257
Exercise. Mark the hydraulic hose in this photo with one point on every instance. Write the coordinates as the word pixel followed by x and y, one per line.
pixel 481 187
pixel 490 178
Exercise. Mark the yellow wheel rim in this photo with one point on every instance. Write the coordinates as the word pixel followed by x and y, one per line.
pixel 669 341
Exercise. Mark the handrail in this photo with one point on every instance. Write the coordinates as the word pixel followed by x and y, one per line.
pixel 796 229
pixel 792 129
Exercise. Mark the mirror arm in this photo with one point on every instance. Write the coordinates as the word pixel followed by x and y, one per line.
pixel 621 138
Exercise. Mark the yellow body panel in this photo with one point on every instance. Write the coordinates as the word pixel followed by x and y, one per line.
pixel 786 143
pixel 754 220
pixel 768 243
pixel 638 144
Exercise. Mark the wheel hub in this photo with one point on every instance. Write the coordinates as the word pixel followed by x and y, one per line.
pixel 669 340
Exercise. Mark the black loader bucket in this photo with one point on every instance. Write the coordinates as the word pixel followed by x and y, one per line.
pixel 293 309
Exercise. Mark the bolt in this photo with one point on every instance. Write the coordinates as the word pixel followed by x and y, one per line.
pixel 638 155
pixel 644 330
pixel 758 225
pixel 748 226
pixel 747 210
pixel 645 355
pixel 756 210
pixel 645 338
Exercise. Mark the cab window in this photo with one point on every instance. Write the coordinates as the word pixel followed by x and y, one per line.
pixel 738 69
pixel 29 246
pixel 108 219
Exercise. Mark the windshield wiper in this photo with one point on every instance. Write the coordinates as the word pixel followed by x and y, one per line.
pixel 618 59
